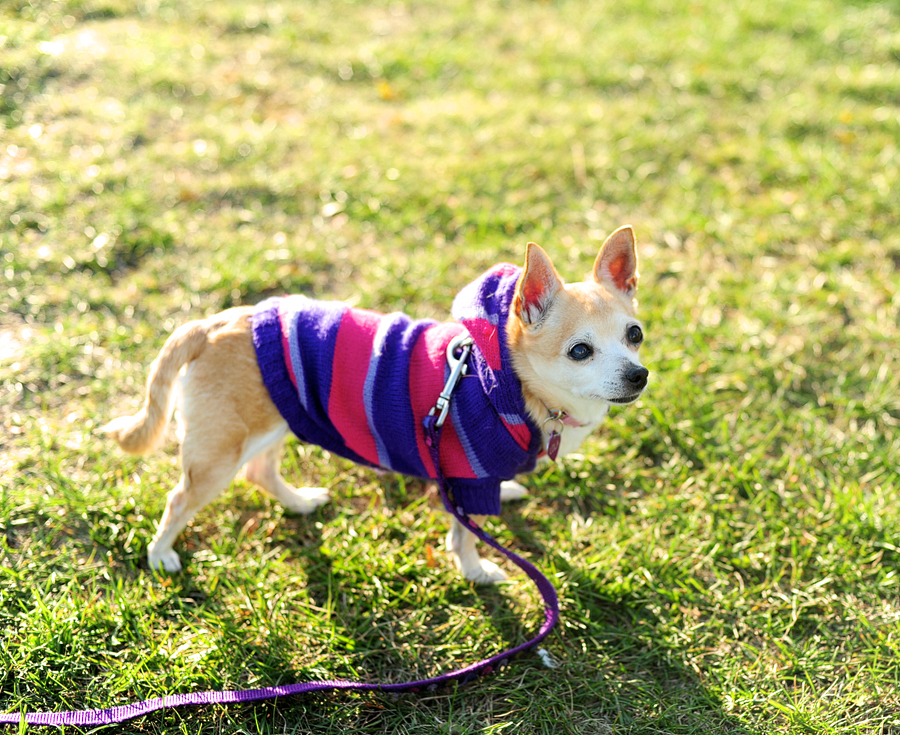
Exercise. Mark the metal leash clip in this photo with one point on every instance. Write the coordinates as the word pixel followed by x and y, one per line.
pixel 458 368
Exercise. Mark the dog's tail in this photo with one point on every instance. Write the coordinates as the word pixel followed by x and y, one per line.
pixel 144 431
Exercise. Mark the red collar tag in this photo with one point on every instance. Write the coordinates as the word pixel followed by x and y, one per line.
pixel 559 416
pixel 553 445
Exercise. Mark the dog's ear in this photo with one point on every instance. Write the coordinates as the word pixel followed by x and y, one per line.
pixel 616 263
pixel 537 286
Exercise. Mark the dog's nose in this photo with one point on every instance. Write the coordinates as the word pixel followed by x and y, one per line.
pixel 637 377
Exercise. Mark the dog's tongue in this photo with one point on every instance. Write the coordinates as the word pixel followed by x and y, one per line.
pixel 482 308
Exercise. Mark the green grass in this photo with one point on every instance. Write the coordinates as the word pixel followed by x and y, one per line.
pixel 726 551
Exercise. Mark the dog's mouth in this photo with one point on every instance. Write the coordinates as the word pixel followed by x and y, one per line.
pixel 625 399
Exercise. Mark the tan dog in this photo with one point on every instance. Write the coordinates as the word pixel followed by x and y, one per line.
pixel 574 349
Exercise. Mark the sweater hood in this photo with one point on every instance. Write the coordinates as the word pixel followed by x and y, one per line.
pixel 482 308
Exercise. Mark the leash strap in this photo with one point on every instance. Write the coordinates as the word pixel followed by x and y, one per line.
pixel 461 676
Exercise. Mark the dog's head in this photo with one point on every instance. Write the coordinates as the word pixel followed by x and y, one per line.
pixel 575 346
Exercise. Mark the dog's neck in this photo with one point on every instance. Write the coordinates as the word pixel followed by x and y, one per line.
pixel 563 416
pixel 541 408
pixel 559 426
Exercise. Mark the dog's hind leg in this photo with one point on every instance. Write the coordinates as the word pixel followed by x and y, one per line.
pixel 461 543
pixel 210 461
pixel 263 470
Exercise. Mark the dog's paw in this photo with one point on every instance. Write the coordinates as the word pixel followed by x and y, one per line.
pixel 166 559
pixel 305 499
pixel 512 490
pixel 485 572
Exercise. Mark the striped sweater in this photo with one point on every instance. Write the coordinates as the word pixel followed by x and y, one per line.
pixel 359 384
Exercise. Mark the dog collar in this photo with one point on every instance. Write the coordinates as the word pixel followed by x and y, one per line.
pixel 560 414
pixel 562 419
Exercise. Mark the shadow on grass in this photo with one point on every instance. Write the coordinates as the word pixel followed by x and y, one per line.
pixel 616 675
pixel 628 674
pixel 623 674
pixel 396 639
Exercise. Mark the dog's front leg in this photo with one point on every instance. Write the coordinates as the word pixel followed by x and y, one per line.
pixel 461 543
pixel 512 490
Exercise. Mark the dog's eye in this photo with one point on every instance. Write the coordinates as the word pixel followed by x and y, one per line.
pixel 635 335
pixel 581 351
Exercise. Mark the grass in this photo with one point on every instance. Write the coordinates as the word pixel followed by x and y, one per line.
pixel 726 551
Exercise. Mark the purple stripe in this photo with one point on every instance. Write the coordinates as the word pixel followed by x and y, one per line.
pixel 392 386
pixel 369 395
pixel 459 426
pixel 294 344
pixel 316 326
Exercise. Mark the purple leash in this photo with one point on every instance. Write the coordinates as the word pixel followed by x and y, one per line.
pixel 462 676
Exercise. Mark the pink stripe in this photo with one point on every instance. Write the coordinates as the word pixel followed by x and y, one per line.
pixel 519 432
pixel 285 341
pixel 487 338
pixel 429 357
pixel 346 408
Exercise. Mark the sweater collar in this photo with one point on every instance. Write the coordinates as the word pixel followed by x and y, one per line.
pixel 482 308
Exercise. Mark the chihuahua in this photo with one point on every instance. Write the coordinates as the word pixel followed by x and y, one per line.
pixel 547 359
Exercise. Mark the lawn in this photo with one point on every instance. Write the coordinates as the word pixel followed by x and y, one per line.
pixel 725 551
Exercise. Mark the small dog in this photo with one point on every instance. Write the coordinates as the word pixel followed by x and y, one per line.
pixel 548 360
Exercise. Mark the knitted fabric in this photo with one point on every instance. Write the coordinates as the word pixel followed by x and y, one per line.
pixel 359 384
